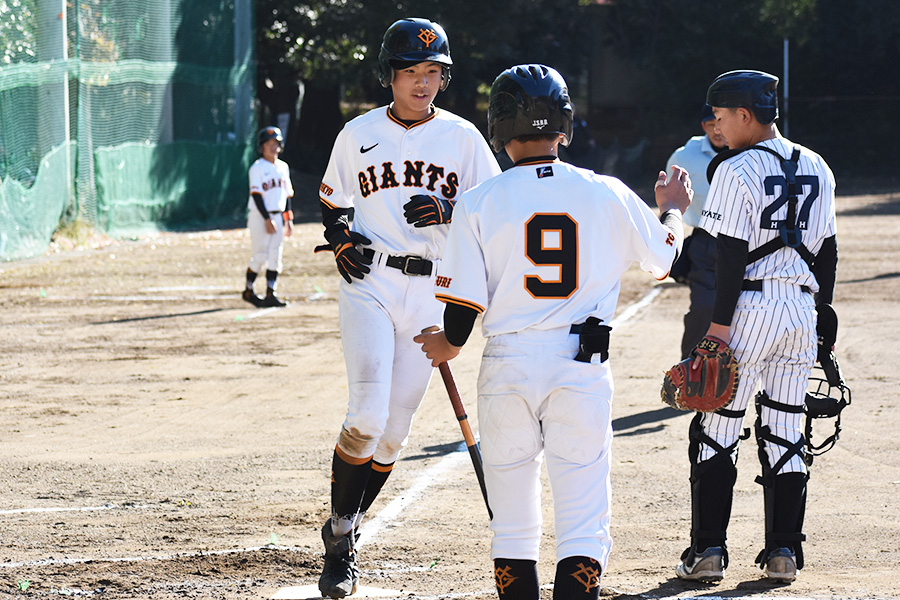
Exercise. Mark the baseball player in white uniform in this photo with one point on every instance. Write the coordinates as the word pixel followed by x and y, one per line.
pixel 401 168
pixel 269 216
pixel 540 250
pixel 771 209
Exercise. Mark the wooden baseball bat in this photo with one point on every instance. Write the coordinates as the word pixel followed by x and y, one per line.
pixel 460 410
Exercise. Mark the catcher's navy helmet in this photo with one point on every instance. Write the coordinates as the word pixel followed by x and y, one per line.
pixel 268 133
pixel 529 100
pixel 413 41
pixel 753 90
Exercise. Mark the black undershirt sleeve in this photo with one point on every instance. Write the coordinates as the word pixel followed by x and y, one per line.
pixel 731 263
pixel 260 204
pixel 458 323
pixel 334 219
pixel 825 270
pixel 673 220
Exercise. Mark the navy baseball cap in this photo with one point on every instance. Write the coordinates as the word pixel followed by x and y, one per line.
pixel 706 114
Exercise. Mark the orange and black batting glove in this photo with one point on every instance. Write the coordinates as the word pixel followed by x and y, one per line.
pixel 350 261
pixel 423 210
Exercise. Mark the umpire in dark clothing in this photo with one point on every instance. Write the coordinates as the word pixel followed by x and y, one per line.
pixel 696 266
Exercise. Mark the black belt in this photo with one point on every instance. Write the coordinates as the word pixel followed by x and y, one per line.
pixel 410 265
pixel 275 212
pixel 756 285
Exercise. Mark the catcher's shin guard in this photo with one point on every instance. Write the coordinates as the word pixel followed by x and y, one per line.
pixel 712 489
pixel 784 493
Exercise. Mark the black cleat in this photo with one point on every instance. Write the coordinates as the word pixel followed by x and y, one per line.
pixel 272 301
pixel 252 298
pixel 340 575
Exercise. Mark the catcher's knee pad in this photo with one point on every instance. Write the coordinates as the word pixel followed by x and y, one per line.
pixel 697 437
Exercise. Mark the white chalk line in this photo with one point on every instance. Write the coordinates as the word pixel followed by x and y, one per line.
pixel 633 309
pixel 392 511
pixel 17 511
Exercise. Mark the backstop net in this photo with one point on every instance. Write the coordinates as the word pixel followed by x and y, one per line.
pixel 125 114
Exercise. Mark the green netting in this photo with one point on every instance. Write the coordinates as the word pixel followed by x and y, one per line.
pixel 126 114
pixel 143 186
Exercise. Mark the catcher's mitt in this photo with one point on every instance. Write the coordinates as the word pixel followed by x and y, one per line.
pixel 707 386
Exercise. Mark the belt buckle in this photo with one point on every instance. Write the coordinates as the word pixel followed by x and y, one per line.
pixel 406 260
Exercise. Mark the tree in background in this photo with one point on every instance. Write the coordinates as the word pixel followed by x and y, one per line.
pixel 844 61
pixel 331 46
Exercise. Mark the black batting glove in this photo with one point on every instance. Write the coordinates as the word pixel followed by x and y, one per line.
pixel 423 210
pixel 350 261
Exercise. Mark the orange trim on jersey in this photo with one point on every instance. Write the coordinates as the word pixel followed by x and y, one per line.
pixel 417 123
pixel 351 460
pixel 327 203
pixel 538 161
pixel 377 466
pixel 451 300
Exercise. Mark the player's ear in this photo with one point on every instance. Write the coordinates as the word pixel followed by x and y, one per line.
pixel 745 114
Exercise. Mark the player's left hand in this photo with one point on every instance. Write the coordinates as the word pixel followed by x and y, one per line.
pixel 270 226
pixel 675 192
pixel 424 210
pixel 435 345
pixel 705 381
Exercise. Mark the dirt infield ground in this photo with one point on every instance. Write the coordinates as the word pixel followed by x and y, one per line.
pixel 161 439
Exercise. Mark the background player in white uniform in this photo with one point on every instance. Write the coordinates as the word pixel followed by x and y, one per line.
pixel 540 250
pixel 697 264
pixel 401 168
pixel 765 310
pixel 269 216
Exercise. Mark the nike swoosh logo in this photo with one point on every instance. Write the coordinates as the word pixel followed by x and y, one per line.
pixel 363 149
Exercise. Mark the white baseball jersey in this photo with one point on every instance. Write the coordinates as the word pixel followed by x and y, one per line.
pixel 748 201
pixel 773 330
pixel 273 182
pixel 537 249
pixel 377 163
pixel 528 264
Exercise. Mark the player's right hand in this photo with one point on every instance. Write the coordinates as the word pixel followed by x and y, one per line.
pixel 350 261
pixel 675 192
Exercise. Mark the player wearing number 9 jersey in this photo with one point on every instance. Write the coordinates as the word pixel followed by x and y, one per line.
pixel 771 208
pixel 540 250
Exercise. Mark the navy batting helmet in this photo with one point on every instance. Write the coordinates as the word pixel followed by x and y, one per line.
pixel 753 90
pixel 268 133
pixel 413 41
pixel 529 100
